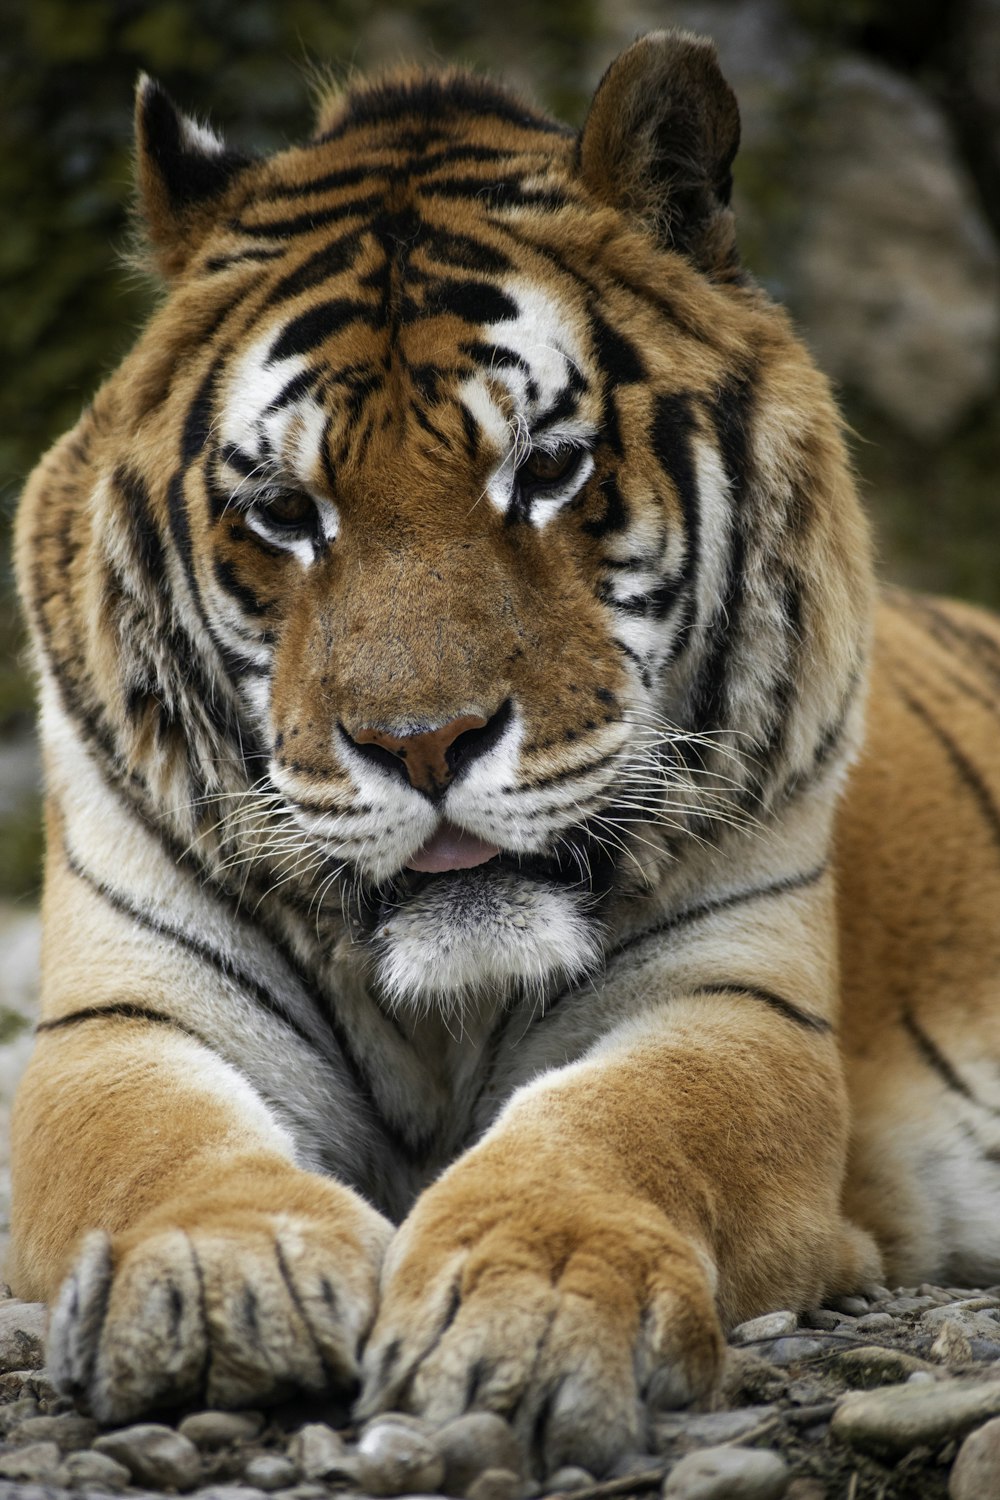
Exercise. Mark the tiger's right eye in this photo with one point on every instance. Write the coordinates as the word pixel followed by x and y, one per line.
pixel 286 512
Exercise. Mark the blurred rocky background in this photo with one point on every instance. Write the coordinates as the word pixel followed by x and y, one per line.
pixel 868 190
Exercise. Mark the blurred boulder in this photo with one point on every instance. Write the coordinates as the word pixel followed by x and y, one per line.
pixel 895 274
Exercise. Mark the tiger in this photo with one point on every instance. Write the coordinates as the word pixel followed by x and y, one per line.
pixel 519 900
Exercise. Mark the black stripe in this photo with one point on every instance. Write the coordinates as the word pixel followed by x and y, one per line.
pixel 730 414
pixel 497 194
pixel 963 767
pixel 314 327
pixel 775 1002
pixel 306 223
pixel 329 260
pixel 413 1154
pixel 937 1062
pixel 474 301
pixel 671 433
pixel 434 101
pixel 148 543
pixel 983 649
pixel 723 903
pixel 122 1010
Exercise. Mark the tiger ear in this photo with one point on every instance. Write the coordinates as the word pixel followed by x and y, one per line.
pixel 183 170
pixel 659 142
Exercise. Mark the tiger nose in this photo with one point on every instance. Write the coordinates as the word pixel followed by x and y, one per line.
pixel 431 758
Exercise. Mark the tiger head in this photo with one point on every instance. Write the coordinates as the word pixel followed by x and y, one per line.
pixel 470 516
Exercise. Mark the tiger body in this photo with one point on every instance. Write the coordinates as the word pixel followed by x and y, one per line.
pixel 455 625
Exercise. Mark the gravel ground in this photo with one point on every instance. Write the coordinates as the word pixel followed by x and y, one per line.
pixel 892 1396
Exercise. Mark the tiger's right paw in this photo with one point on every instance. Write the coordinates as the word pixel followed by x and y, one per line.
pixel 233 1305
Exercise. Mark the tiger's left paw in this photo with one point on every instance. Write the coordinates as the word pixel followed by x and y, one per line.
pixel 574 1314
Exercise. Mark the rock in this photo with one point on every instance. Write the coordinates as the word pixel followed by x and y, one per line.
pixel 893 1420
pixel 972 1317
pixel 22 1335
pixel 154 1455
pixel 270 1471
pixel 36 1461
pixel 473 1443
pixel 567 1479
pixel 855 1307
pixel 769 1326
pixel 895 273
pixel 747 1377
pixel 92 1471
pixel 397 1460
pixel 230 1492
pixel 900 1305
pixel 976 1471
pixel 951 1346
pixel 214 1429
pixel 872 1366
pixel 497 1484
pixel 320 1453
pixel 876 1322
pixel 707 1429
pixel 823 1318
pixel 728 1474
pixel 806 1489
pixel 785 1352
pixel 70 1431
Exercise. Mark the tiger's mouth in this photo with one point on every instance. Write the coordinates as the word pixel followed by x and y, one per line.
pixel 582 865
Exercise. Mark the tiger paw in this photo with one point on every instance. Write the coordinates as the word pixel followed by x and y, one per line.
pixel 573 1315
pixel 237 1306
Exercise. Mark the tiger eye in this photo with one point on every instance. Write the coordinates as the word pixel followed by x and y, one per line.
pixel 287 512
pixel 549 468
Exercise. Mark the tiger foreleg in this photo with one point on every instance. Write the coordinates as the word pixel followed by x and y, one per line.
pixel 219 1270
pixel 575 1271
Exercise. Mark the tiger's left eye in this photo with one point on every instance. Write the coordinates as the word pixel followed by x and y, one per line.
pixel 288 512
pixel 543 470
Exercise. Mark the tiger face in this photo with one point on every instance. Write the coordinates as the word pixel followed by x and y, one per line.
pixel 488 498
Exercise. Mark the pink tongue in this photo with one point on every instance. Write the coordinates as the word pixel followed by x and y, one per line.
pixel 451 849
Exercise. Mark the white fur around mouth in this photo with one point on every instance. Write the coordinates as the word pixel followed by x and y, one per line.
pixel 482 932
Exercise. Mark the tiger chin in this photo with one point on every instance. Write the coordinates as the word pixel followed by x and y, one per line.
pixel 519 901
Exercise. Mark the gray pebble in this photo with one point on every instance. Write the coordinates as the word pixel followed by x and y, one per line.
pixel 18 1411
pixel 874 1292
pixel 270 1471
pixel 567 1479
pixel 36 1461
pixel 320 1453
pixel 396 1460
pixel 214 1429
pixel 875 1322
pixel 495 1484
pixel 728 1474
pixel 708 1428
pixel 70 1431
pixel 975 1322
pixel 899 1305
pixel 871 1366
pixel 785 1352
pixel 768 1326
pixel 22 1335
pixel 976 1471
pixel 900 1417
pixel 951 1346
pixel 154 1455
pixel 855 1306
pixel 92 1471
pixel 823 1318
pixel 474 1442
pixel 230 1492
